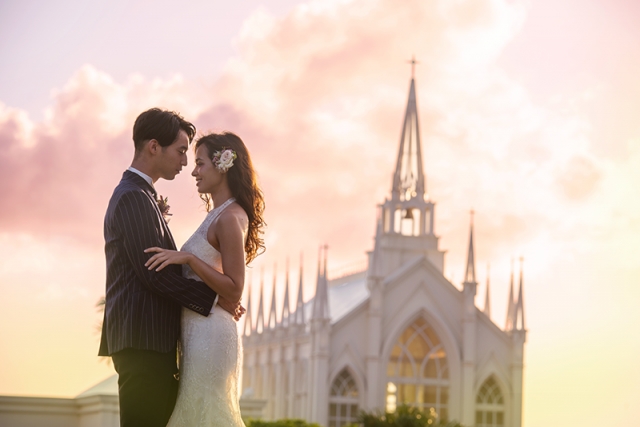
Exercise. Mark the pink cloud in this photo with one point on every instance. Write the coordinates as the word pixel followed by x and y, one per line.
pixel 318 96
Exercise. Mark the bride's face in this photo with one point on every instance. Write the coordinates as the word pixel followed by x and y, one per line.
pixel 208 178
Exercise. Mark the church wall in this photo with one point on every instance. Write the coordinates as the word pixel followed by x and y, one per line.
pixel 348 344
pixel 492 344
pixel 494 353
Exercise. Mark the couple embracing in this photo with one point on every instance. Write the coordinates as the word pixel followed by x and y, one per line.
pixel 157 296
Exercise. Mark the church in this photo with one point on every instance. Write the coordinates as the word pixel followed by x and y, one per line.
pixel 398 332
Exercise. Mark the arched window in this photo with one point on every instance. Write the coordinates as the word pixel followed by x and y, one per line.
pixel 489 405
pixel 343 400
pixel 417 372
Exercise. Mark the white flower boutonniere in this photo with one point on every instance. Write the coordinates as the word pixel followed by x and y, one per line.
pixel 223 160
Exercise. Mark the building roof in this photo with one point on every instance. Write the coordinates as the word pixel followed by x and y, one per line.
pixel 108 386
pixel 343 298
pixel 345 294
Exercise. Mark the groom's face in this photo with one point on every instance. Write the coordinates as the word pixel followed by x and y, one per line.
pixel 174 157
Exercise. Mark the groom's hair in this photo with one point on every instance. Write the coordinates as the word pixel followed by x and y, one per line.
pixel 161 125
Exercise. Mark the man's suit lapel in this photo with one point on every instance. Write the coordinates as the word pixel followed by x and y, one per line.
pixel 153 196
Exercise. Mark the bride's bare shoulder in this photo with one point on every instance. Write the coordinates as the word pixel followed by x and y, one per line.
pixel 232 215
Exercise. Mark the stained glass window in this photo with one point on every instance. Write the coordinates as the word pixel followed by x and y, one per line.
pixel 343 400
pixel 417 372
pixel 489 405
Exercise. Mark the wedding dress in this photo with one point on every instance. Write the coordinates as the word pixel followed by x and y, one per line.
pixel 211 352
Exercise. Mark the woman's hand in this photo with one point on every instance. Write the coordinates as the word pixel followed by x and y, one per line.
pixel 164 257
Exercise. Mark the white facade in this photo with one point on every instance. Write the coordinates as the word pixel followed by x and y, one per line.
pixel 396 333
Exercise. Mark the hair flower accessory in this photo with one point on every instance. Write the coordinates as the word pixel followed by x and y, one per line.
pixel 163 205
pixel 223 160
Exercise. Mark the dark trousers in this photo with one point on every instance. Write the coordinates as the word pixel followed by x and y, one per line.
pixel 147 387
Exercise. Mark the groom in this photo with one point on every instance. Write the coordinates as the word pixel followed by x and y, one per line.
pixel 142 312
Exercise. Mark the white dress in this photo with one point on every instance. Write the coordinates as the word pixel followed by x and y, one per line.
pixel 211 352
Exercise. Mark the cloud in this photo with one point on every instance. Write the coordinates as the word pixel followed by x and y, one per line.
pixel 61 171
pixel 318 96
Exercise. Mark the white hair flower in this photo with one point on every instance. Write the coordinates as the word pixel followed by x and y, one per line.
pixel 223 160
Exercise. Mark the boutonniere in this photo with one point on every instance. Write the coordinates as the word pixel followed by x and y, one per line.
pixel 163 205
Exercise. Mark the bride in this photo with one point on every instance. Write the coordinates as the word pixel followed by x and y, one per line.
pixel 226 241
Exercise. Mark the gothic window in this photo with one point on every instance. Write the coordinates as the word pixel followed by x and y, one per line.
pixel 417 372
pixel 343 400
pixel 489 405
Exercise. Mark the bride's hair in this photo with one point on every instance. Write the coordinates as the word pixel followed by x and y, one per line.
pixel 243 184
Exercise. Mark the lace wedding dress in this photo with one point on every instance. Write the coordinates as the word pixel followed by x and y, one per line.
pixel 211 352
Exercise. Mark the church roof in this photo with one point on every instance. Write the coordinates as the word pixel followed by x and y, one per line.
pixel 107 387
pixel 343 297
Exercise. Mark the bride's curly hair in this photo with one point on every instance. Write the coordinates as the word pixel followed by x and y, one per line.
pixel 243 184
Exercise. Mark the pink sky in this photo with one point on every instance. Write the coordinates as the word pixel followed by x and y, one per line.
pixel 529 115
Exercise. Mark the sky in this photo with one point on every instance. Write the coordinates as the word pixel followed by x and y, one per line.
pixel 528 112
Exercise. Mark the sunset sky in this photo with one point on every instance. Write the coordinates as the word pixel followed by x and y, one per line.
pixel 529 113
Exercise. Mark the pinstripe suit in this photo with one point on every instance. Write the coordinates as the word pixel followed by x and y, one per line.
pixel 142 310
pixel 143 307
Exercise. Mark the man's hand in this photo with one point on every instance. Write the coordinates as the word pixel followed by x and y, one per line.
pixel 235 309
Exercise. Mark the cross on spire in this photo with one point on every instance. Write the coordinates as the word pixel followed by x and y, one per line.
pixel 413 63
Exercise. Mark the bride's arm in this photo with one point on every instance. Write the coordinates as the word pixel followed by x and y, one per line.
pixel 229 236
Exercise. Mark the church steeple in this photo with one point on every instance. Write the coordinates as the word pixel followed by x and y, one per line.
pixel 518 317
pixel 285 318
pixel 259 328
pixel 470 273
pixel 408 178
pixel 408 212
pixel 273 321
pixel 299 313
pixel 407 215
pixel 487 300
pixel 321 299
pixel 511 306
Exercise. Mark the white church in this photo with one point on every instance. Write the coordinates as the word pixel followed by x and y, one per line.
pixel 397 333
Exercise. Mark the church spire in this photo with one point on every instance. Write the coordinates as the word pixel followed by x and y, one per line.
pixel 408 179
pixel 510 303
pixel 321 299
pixel 487 300
pixel 518 317
pixel 299 313
pixel 273 321
pixel 470 273
pixel 259 328
pixel 248 323
pixel 285 319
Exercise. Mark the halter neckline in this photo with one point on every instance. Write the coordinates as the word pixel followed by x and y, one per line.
pixel 222 206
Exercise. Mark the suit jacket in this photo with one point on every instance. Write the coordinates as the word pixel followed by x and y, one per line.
pixel 143 307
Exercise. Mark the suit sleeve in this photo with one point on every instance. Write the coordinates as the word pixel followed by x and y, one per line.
pixel 139 223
